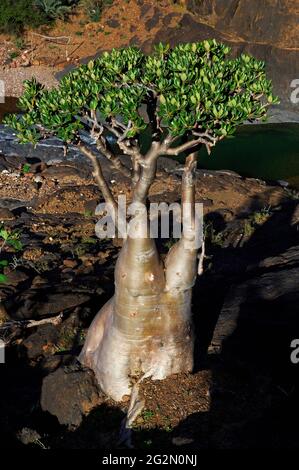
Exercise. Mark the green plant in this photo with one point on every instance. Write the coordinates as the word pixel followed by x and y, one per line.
pixel 256 219
pixel 16 15
pixel 147 415
pixel 3 264
pixel 95 8
pixel 10 238
pixel 89 240
pixel 25 168
pixel 194 95
pixel 88 214
pixel 215 238
pixel 260 217
pixel 14 55
pixel 20 43
pixel 249 228
pixel 56 9
pixel 292 193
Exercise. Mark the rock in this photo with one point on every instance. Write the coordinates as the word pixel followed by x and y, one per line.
pixel 70 393
pixel 270 299
pixel 50 363
pixel 70 263
pixel 33 254
pixel 135 41
pixel 42 342
pixel 33 307
pixel 166 20
pixel 11 162
pixel 64 173
pixel 14 277
pixel 113 23
pixel 182 441
pixel 152 22
pixel 144 8
pixel 90 206
pixel 12 204
pixel 28 436
pixel 295 216
pixel 265 29
pixel 6 214
pixel 3 314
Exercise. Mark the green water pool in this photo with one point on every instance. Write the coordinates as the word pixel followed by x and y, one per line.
pixel 269 151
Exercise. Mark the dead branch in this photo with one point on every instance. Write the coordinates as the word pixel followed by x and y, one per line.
pixel 53 38
pixel 32 323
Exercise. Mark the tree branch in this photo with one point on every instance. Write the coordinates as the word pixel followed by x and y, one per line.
pixel 148 172
pixel 114 159
pixel 98 175
pixel 202 138
pixel 187 146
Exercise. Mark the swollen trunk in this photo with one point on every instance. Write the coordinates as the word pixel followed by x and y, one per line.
pixel 146 328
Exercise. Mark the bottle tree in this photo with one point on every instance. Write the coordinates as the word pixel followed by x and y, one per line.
pixel 194 95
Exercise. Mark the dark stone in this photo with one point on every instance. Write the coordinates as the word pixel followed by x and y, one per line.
pixel 152 22
pixel 51 363
pixel 144 9
pixel 90 206
pixel 70 393
pixel 266 301
pixel 135 41
pixel 6 214
pixel 11 162
pixel 12 204
pixel 113 23
pixel 41 343
pixel 60 172
pixel 168 18
pixel 33 304
pixel 28 436
pixel 15 277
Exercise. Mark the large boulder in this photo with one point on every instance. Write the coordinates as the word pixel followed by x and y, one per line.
pixel 259 317
pixel 70 393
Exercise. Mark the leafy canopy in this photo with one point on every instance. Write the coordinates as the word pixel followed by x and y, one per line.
pixel 188 87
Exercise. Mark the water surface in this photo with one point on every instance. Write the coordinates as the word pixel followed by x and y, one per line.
pixel 268 151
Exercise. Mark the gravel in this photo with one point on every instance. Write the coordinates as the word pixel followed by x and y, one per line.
pixel 13 78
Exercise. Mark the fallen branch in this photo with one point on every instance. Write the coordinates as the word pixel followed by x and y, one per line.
pixel 53 38
pixel 32 323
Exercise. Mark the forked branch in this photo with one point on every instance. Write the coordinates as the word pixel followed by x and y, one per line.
pixel 98 175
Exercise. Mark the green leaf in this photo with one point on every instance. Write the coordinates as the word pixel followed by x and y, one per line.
pixel 3 278
pixel 26 168
pixel 4 234
pixel 183 77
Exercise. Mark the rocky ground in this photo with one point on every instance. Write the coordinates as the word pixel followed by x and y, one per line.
pixel 244 391
pixel 244 388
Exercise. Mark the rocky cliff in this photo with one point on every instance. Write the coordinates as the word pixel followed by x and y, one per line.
pixel 267 29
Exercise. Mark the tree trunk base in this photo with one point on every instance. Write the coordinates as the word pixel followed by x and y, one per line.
pixel 120 358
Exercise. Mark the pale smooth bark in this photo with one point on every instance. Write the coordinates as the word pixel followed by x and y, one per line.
pixel 146 328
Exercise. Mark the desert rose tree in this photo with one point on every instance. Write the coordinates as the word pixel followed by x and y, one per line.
pixel 194 95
